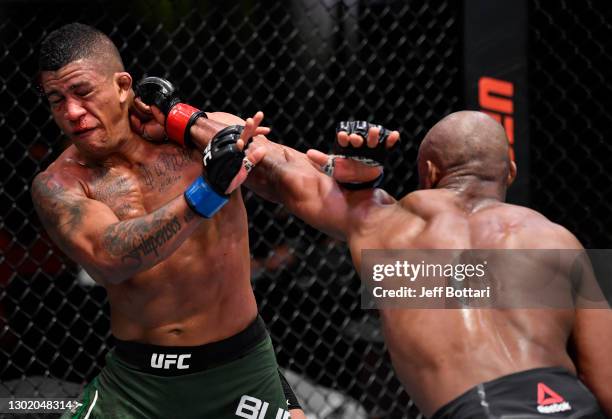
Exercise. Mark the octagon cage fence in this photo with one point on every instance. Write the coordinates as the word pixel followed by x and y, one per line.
pixel 307 64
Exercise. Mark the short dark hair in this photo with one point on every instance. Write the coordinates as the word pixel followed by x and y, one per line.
pixel 72 42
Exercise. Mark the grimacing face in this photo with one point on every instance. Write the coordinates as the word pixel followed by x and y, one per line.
pixel 87 104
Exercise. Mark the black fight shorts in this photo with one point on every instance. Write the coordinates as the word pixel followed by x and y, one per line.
pixel 538 393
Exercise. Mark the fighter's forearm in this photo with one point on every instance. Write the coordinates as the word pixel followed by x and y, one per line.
pixel 136 245
pixel 282 175
pixel 203 130
pixel 286 176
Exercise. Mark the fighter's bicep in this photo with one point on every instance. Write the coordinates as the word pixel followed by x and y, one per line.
pixel 87 224
pixel 74 221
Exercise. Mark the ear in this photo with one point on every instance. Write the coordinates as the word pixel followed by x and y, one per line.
pixel 123 81
pixel 433 175
pixel 511 173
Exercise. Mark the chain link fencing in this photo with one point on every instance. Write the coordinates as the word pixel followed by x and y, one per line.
pixel 570 119
pixel 307 64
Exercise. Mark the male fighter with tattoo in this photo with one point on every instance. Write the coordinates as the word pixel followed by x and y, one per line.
pixel 460 363
pixel 167 239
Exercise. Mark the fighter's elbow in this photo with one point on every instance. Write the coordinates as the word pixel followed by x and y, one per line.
pixel 104 273
pixel 105 267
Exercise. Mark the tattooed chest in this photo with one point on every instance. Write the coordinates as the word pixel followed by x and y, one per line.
pixel 134 190
pixel 121 192
pixel 167 170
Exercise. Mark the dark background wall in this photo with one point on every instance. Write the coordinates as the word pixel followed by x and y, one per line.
pixel 307 64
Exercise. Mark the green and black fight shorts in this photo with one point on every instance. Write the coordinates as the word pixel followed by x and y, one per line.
pixel 237 377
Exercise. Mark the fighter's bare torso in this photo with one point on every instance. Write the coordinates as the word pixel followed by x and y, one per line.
pixel 200 293
pixel 440 354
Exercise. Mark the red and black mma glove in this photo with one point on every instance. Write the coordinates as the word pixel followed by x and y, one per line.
pixel 179 116
pixel 223 161
pixel 370 156
pixel 222 158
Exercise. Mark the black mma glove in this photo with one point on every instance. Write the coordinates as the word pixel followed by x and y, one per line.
pixel 223 161
pixel 179 116
pixel 222 158
pixel 371 156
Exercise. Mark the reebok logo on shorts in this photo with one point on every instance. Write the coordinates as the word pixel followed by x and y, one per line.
pixel 165 361
pixel 551 402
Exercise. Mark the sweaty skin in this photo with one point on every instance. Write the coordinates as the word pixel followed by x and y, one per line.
pixel 114 203
pixel 464 347
pixel 184 299
pixel 464 171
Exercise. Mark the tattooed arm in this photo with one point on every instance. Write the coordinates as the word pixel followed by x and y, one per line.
pixel 92 235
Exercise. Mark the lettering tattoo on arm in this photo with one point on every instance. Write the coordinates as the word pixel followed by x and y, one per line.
pixel 133 240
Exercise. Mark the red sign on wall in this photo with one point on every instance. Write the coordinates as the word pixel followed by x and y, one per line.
pixel 496 99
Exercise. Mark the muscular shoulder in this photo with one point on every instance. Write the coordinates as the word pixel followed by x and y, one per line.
pixel 60 177
pixel 537 231
pixel 55 188
pixel 370 207
pixel 427 203
pixel 51 183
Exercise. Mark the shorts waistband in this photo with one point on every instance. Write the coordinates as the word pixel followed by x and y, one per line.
pixel 514 388
pixel 180 360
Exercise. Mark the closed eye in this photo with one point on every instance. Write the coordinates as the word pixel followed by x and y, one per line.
pixel 81 89
pixel 55 99
pixel 83 92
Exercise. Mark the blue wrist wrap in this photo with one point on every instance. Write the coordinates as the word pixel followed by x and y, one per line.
pixel 203 199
